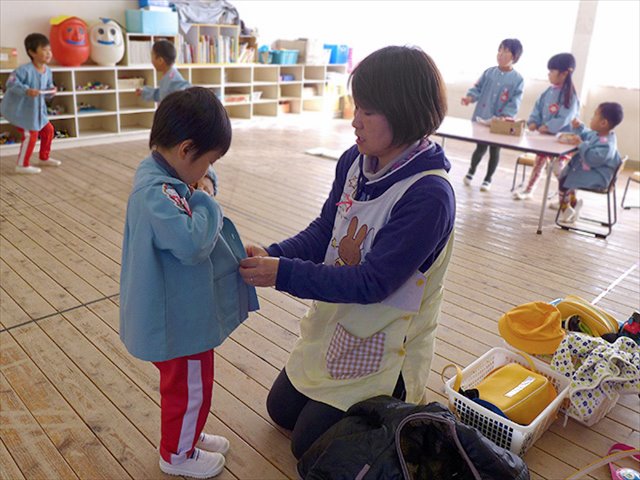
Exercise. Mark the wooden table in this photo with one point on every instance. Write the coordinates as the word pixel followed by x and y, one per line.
pixel 534 142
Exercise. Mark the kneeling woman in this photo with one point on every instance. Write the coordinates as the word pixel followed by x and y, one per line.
pixel 374 260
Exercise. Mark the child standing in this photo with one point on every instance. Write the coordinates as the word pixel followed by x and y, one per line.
pixel 553 113
pixel 597 159
pixel 24 104
pixel 163 57
pixel 169 314
pixel 498 93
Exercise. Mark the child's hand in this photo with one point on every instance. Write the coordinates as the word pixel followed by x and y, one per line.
pixel 543 129
pixel 259 271
pixel 575 123
pixel 466 100
pixel 533 127
pixel 206 185
pixel 32 92
pixel 575 140
pixel 256 251
pixel 138 92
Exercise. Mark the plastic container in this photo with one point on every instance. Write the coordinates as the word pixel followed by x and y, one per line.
pixel 501 431
pixel 151 22
pixel 284 57
pixel 339 53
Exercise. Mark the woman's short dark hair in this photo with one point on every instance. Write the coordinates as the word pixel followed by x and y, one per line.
pixel 193 114
pixel 405 85
pixel 165 50
pixel 33 41
pixel 612 113
pixel 514 46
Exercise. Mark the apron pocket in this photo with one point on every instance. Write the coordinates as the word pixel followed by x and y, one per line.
pixel 349 356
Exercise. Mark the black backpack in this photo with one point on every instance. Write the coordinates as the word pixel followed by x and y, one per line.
pixel 385 438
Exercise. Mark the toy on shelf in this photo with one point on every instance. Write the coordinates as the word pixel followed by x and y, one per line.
pixel 107 44
pixel 94 86
pixel 55 110
pixel 62 133
pixel 87 107
pixel 69 42
pixel 7 139
pixel 59 87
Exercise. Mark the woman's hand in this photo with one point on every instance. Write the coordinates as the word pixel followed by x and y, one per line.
pixel 533 127
pixel 259 271
pixel 543 129
pixel 256 251
pixel 575 123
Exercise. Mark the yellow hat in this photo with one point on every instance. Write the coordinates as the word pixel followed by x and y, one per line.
pixel 534 327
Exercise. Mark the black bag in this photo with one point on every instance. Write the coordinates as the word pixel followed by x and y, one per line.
pixel 385 438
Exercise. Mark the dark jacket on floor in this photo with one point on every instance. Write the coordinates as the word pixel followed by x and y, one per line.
pixel 385 438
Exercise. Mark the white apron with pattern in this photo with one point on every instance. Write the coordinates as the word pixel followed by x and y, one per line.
pixel 350 352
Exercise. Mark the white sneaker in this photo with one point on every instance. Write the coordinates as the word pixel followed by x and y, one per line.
pixel 51 162
pixel 202 464
pixel 485 187
pixel 29 169
pixel 554 205
pixel 467 179
pixel 523 195
pixel 568 215
pixel 213 443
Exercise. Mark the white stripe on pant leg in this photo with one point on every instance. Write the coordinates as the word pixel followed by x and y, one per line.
pixel 194 402
pixel 26 140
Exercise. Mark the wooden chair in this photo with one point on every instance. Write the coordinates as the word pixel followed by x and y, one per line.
pixel 635 176
pixel 612 210
pixel 526 160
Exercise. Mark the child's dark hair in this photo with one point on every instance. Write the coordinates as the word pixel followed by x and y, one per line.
pixel 612 113
pixel 165 50
pixel 33 41
pixel 193 114
pixel 405 85
pixel 564 62
pixel 514 46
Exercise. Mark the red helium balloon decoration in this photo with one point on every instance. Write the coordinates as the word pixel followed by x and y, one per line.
pixel 69 40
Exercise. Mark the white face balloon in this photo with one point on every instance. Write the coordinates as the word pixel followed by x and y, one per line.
pixel 107 44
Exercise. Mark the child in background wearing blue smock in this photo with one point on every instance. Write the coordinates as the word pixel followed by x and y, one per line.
pixel 553 112
pixel 596 162
pixel 169 312
pixel 24 104
pixel 163 58
pixel 497 93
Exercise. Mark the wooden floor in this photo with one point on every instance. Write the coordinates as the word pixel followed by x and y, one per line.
pixel 75 404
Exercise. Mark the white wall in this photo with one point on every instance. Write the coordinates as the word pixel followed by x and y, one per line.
pixel 455 33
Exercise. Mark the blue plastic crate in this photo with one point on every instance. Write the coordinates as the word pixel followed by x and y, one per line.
pixel 284 57
pixel 152 22
pixel 339 53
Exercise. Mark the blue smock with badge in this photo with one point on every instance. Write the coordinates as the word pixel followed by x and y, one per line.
pixel 28 113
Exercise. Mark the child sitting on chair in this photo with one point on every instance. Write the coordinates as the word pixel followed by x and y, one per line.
pixel 596 161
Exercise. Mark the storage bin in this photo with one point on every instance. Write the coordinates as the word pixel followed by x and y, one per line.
pixel 152 22
pixel 284 57
pixel 339 53
pixel 8 57
pixel 501 431
pixel 129 83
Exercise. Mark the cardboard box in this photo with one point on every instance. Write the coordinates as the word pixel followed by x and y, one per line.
pixel 507 127
pixel 8 57
pixel 310 50
pixel 151 22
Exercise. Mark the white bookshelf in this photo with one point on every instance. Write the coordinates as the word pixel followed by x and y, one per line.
pixel 245 89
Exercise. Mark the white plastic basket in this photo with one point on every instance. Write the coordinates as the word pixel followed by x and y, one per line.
pixel 503 432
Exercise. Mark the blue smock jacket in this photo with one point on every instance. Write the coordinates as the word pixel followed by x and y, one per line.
pixel 497 94
pixel 596 162
pixel 28 113
pixel 549 110
pixel 180 289
pixel 171 82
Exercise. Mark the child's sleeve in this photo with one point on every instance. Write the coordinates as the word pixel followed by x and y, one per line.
pixel 178 84
pixel 189 233
pixel 150 94
pixel 582 131
pixel 536 114
pixel 564 117
pixel 476 90
pixel 510 108
pixel 595 154
pixel 17 82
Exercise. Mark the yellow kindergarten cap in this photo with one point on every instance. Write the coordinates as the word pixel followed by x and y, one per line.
pixel 534 327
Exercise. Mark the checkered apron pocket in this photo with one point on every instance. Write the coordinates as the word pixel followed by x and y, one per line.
pixel 349 356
